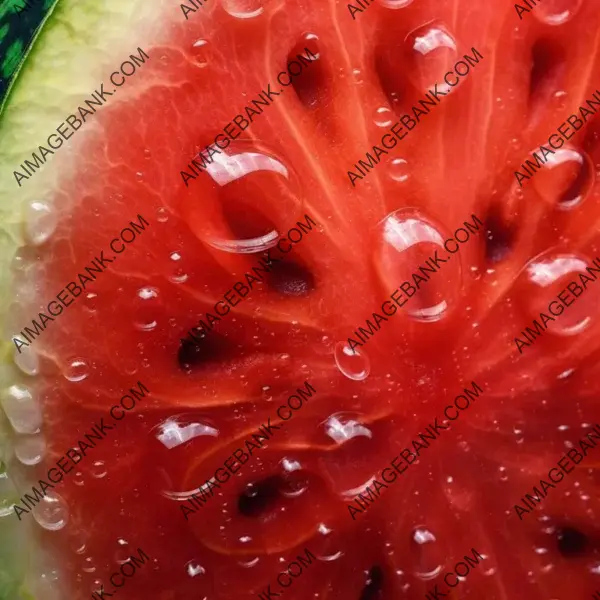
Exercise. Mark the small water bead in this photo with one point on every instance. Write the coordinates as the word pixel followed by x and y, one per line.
pixel 398 169
pixel 51 512
pixel 200 50
pixel 77 370
pixel 147 308
pixel 30 449
pixel 178 274
pixel 41 221
pixel 431 51
pixel 353 363
pixel 555 12
pixel 22 409
pixel 194 568
pixel 176 431
pixel 383 117
pixel 546 276
pixel 27 360
pixel 243 9
pixel 90 302
pixel 162 214
pixel 98 469
pixel 311 41
pixel 565 179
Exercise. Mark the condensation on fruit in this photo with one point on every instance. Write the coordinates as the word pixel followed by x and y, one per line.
pixel 428 556
pixel 27 360
pixel 353 363
pixel 8 493
pixel 547 275
pixel 230 209
pixel 51 512
pixel 147 308
pixel 556 12
pixel 405 240
pixel 383 117
pixel 351 466
pixel 398 170
pixel 178 430
pixel 77 370
pixel 30 449
pixel 200 52
pixel 395 3
pixel 243 9
pixel 22 409
pixel 566 179
pixel 431 52
pixel 41 220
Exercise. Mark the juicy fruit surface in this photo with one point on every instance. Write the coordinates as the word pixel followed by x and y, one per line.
pixel 459 161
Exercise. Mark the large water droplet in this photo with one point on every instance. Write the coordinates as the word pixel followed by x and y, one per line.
pixel 41 221
pixel 409 246
pixel 51 512
pixel 555 12
pixel 545 277
pixel 22 409
pixel 565 179
pixel 353 363
pixel 428 556
pixel 178 430
pixel 27 360
pixel 243 9
pixel 431 51
pixel 243 193
pixel 30 449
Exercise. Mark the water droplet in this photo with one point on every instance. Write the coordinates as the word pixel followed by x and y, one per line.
pixel 51 512
pixel 176 431
pixel 566 178
pixel 178 274
pixel 77 370
pixel 139 176
pixel 548 275
pixel 354 364
pixel 234 214
pixel 427 554
pixel 78 478
pixel 30 449
pixel 431 51
pixel 162 214
pixel 340 428
pixel 8 493
pixel 243 9
pixel 147 154
pixel 395 3
pixel 90 302
pixel 398 169
pixel 22 409
pixel 383 117
pixel 311 41
pixel 98 469
pixel 41 221
pixel 147 308
pixel 123 552
pixel 27 360
pixel 556 12
pixel 200 49
pixel 407 241
pixel 194 568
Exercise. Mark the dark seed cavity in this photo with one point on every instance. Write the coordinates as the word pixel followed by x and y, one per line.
pixel 291 279
pixel 259 498
pixel 374 585
pixel 571 542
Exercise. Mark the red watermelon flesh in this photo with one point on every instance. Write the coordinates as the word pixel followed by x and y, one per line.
pixel 459 161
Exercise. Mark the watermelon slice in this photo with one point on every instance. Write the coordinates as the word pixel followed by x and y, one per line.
pixel 165 303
